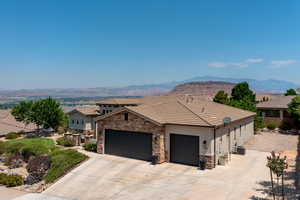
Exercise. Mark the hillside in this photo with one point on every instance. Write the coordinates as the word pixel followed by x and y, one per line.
pixel 206 89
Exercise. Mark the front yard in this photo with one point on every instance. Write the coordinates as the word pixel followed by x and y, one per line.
pixel 31 164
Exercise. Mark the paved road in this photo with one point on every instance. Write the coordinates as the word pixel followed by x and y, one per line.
pixel 114 178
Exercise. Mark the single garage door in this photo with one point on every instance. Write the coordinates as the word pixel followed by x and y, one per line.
pixel 184 149
pixel 129 144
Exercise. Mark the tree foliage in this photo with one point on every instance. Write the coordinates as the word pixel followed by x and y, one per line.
pixel 241 97
pixel 290 92
pixel 294 108
pixel 221 97
pixel 45 113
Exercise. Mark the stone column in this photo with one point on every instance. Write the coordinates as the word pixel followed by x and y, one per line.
pixel 76 138
pixel 100 142
pixel 281 114
pixel 158 147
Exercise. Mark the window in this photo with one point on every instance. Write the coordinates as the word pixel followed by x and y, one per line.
pixel 73 121
pixel 103 112
pixel 126 116
pixel 272 113
pixel 77 122
pixel 82 121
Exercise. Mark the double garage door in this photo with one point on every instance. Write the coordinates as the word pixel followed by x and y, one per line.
pixel 184 149
pixel 135 145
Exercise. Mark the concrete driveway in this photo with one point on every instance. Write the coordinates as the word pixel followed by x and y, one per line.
pixel 9 193
pixel 115 178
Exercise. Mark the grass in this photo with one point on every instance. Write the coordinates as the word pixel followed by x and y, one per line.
pixel 28 147
pixel 61 162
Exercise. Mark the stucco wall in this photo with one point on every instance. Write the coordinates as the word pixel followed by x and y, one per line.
pixel 88 124
pixel 233 134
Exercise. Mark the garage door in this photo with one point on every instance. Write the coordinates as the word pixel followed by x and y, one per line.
pixel 184 149
pixel 129 144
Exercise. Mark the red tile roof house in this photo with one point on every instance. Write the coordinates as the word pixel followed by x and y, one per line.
pixel 275 109
pixel 174 130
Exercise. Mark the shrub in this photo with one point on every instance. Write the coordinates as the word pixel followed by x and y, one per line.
pixel 64 141
pixel 11 180
pixel 28 147
pixel 89 146
pixel 37 168
pixel 13 161
pixel 286 125
pixel 11 136
pixel 272 125
pixel 61 162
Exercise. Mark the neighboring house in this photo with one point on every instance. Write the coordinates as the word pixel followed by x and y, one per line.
pixel 109 105
pixel 275 109
pixel 173 130
pixel 82 119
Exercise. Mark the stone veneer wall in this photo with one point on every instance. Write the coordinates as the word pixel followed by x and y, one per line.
pixel 137 124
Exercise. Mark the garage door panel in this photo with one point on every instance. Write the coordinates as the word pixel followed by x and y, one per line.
pixel 129 144
pixel 184 149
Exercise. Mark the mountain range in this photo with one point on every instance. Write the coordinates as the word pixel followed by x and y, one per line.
pixel 259 86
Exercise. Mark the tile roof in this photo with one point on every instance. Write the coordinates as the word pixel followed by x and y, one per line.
pixel 185 111
pixel 9 124
pixel 86 110
pixel 276 102
pixel 120 101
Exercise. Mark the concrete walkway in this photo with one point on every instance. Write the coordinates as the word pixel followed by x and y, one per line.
pixel 9 193
pixel 105 177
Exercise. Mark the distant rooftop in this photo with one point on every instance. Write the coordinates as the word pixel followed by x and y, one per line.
pixel 276 102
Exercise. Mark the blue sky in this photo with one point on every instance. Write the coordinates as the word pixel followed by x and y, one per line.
pixel 72 43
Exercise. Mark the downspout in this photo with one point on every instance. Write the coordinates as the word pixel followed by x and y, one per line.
pixel 215 158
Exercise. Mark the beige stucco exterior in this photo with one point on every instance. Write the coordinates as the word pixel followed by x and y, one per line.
pixel 81 122
pixel 213 141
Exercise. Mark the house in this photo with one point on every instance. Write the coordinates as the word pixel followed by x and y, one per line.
pixel 275 109
pixel 82 119
pixel 109 105
pixel 174 130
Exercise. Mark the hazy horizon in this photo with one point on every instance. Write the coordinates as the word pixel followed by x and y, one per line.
pixel 76 44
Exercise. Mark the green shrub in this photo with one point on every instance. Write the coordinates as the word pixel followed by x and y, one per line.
pixel 272 125
pixel 11 180
pixel 286 125
pixel 64 141
pixel 89 146
pixel 28 147
pixel 61 162
pixel 11 136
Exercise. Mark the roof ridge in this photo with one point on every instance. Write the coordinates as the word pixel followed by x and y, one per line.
pixel 193 112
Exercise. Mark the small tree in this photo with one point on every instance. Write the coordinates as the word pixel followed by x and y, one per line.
pixel 277 166
pixel 290 92
pixel 45 113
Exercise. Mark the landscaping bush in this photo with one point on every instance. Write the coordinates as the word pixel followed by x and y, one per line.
pixel 67 142
pixel 11 136
pixel 61 162
pixel 272 125
pixel 11 180
pixel 37 168
pixel 28 147
pixel 13 161
pixel 286 125
pixel 89 146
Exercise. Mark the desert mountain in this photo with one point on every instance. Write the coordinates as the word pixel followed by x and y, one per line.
pixel 206 89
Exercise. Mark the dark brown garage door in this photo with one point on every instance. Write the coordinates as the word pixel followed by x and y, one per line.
pixel 129 144
pixel 184 149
